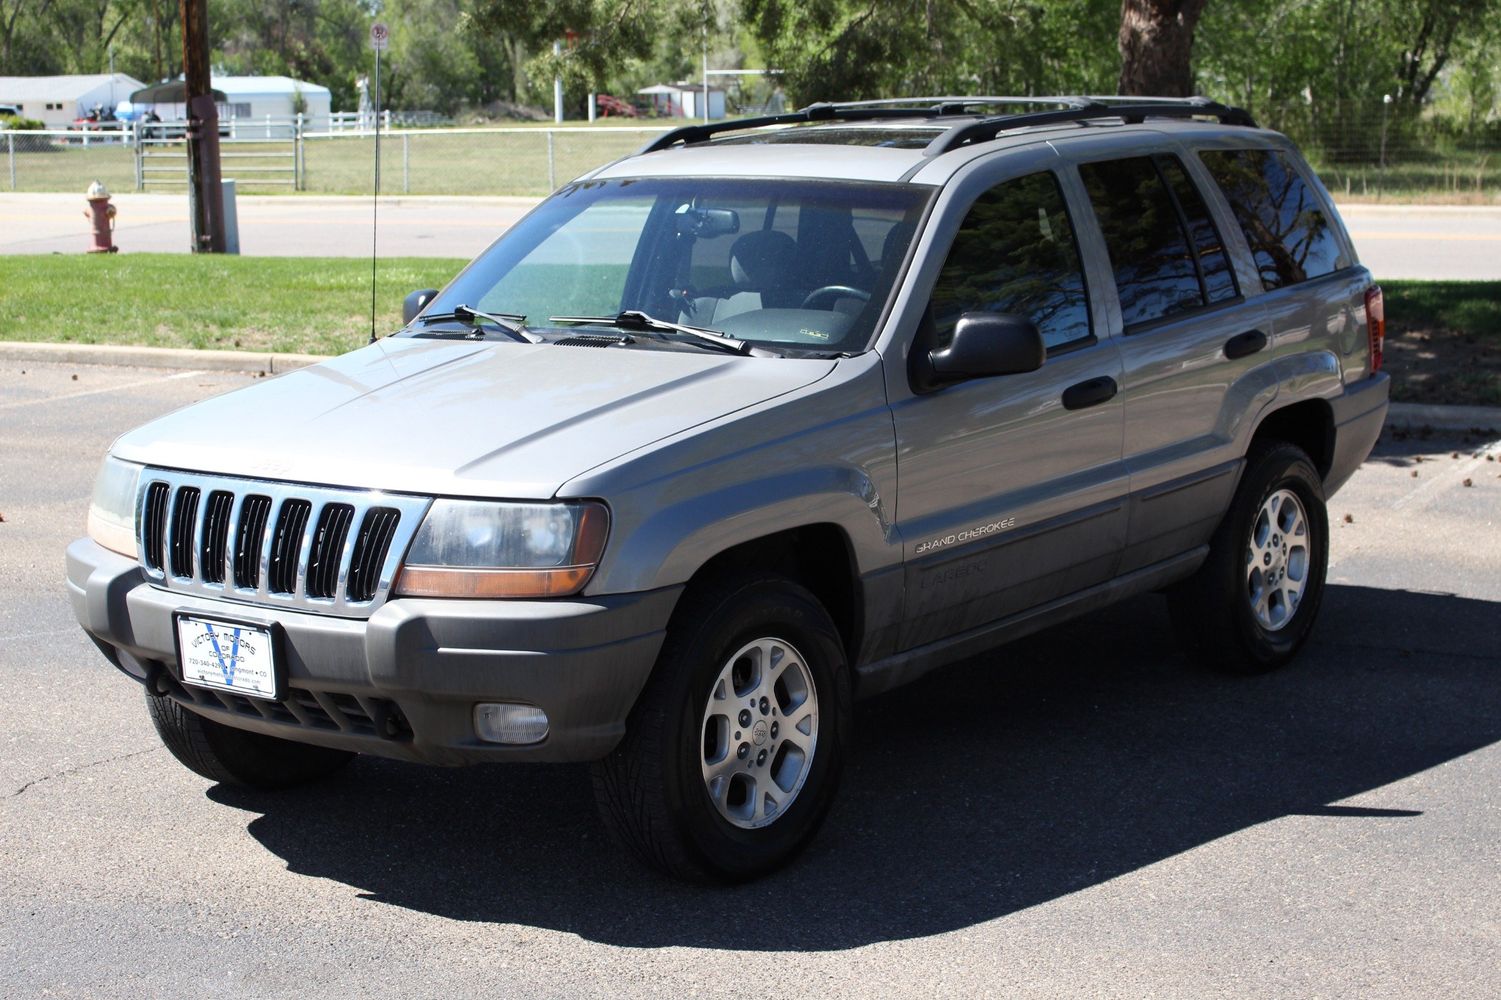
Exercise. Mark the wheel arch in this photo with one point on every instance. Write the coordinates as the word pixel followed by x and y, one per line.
pixel 818 556
pixel 1308 424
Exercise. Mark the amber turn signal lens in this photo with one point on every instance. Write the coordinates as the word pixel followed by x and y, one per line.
pixel 450 581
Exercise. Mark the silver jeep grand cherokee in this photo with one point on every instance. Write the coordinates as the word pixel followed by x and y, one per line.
pixel 776 413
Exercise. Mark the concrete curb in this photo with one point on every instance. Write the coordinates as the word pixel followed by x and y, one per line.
pixel 157 357
pixel 1414 416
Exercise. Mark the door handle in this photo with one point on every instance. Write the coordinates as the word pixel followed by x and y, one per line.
pixel 1089 393
pixel 1244 344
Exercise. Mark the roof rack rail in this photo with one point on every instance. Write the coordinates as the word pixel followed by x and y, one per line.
pixel 1131 110
pixel 822 112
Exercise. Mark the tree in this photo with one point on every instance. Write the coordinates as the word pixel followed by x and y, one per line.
pixel 845 49
pixel 1156 45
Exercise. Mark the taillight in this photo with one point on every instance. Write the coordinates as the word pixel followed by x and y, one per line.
pixel 1375 317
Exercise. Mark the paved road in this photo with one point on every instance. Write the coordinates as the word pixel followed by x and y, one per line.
pixel 1078 815
pixel 1394 241
pixel 270 226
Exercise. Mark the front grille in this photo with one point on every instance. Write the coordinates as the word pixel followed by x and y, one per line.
pixel 216 535
pixel 328 547
pixel 274 544
pixel 184 520
pixel 370 549
pixel 286 545
pixel 154 525
pixel 248 537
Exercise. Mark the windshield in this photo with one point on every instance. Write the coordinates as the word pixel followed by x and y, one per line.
pixel 792 265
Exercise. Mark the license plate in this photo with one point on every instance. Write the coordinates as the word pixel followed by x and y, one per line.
pixel 228 656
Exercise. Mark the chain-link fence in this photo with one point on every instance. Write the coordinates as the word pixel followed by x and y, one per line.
pixel 1388 151
pixel 282 157
pixel 1363 153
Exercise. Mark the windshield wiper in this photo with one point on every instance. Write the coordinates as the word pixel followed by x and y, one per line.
pixel 635 319
pixel 511 323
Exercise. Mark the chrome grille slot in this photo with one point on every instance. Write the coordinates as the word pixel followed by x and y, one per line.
pixel 252 529
pixel 328 547
pixel 284 545
pixel 154 525
pixel 370 548
pixel 184 519
pixel 215 535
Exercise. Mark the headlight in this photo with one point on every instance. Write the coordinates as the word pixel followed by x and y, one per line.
pixel 469 548
pixel 112 513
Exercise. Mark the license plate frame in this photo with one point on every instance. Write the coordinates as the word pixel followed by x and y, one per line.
pixel 252 666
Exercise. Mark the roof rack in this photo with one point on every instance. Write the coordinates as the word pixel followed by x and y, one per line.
pixel 1131 110
pixel 822 112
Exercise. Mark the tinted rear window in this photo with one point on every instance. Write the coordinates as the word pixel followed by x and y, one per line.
pixel 1155 272
pixel 1285 226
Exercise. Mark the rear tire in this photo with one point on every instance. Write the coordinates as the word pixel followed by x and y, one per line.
pixel 235 757
pixel 1252 604
pixel 733 752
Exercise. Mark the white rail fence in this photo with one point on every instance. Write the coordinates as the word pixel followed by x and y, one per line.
pixel 268 154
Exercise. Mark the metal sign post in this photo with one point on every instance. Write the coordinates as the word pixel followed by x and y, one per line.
pixel 380 39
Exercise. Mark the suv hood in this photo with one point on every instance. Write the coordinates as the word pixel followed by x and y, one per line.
pixel 460 419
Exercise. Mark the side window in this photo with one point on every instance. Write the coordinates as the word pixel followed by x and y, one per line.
pixel 1285 226
pixel 1214 263
pixel 1156 270
pixel 1015 253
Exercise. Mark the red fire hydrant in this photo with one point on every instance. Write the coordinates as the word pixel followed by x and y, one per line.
pixel 102 214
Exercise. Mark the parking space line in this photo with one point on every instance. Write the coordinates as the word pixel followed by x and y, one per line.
pixel 1450 476
pixel 95 392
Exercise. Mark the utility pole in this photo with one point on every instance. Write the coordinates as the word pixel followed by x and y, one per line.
pixel 205 191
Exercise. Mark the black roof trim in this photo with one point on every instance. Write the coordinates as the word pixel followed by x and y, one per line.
pixel 1070 109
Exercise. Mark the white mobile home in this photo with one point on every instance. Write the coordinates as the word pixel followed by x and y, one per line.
pixel 56 101
pixel 254 98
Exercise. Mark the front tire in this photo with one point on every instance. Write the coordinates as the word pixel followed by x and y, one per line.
pixel 235 757
pixel 733 752
pixel 1253 603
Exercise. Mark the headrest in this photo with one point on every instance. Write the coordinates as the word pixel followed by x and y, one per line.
pixel 894 247
pixel 763 259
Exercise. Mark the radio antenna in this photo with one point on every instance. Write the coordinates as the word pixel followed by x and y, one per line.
pixel 380 37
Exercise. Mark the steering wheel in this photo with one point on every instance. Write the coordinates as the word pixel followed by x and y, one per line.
pixel 833 292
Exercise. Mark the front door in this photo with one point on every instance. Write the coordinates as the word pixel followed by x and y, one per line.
pixel 1012 490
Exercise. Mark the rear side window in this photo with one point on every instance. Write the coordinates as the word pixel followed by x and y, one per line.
pixel 1214 263
pixel 1165 252
pixel 1015 253
pixel 1285 225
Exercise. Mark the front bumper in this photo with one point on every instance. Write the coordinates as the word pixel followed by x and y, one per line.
pixel 404 682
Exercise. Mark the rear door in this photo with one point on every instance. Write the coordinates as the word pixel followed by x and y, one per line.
pixel 1009 497
pixel 1194 348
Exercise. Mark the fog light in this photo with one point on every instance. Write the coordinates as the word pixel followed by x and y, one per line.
pixel 506 722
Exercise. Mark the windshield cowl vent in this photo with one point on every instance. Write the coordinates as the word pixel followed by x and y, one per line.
pixel 592 341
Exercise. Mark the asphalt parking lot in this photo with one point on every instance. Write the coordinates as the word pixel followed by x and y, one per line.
pixel 1078 814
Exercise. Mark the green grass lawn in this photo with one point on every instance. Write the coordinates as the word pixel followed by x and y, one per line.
pixel 1443 337
pixel 1443 341
pixel 313 305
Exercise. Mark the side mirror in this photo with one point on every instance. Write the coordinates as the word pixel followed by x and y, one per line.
pixel 983 344
pixel 414 303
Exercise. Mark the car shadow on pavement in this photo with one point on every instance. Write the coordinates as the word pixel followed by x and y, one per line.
pixel 1052 765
